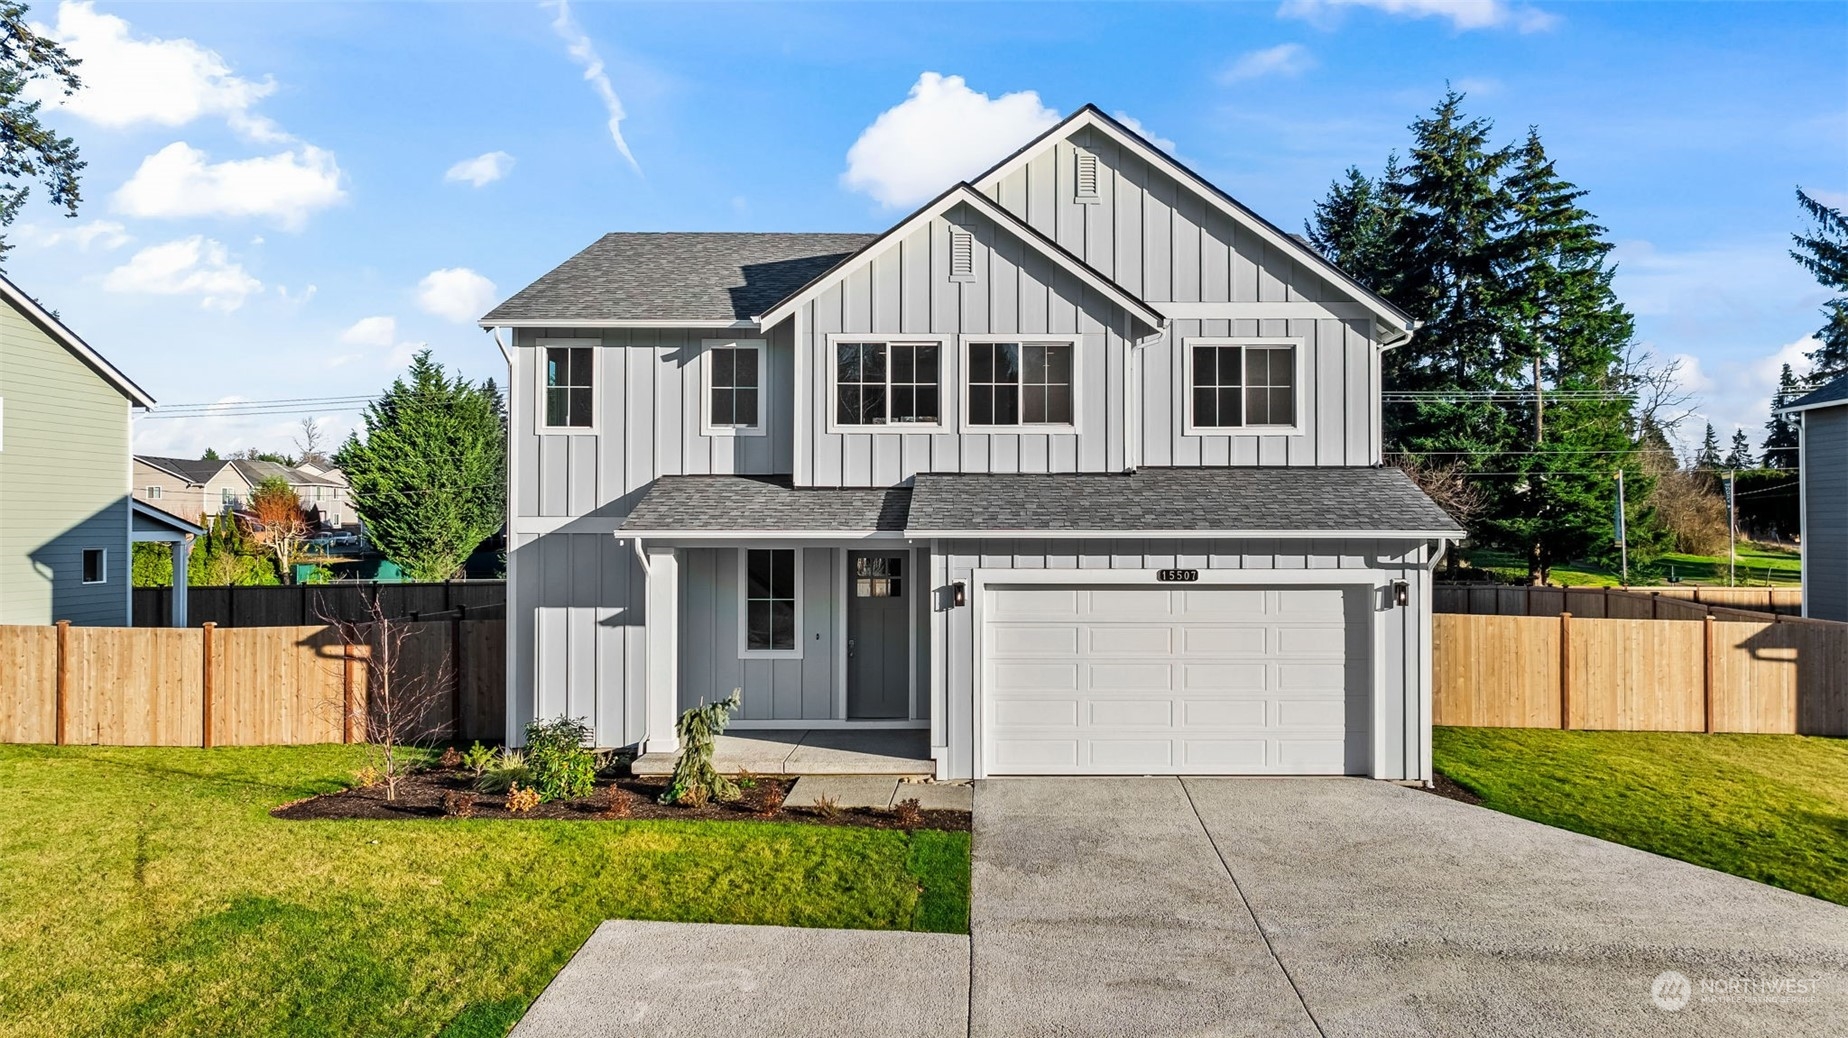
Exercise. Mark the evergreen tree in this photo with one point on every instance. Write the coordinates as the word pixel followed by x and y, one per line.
pixel 210 455
pixel 429 476
pixel 1824 253
pixel 1356 227
pixel 1780 430
pixel 1740 457
pixel 1709 456
pixel 30 150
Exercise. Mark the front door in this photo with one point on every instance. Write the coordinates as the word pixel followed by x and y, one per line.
pixel 878 635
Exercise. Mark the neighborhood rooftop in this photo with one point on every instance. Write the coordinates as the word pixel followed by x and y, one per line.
pixel 686 276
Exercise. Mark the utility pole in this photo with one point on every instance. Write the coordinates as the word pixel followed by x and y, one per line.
pixel 1623 537
pixel 1732 530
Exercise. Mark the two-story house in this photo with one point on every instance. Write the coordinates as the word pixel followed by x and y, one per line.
pixel 186 486
pixel 1076 469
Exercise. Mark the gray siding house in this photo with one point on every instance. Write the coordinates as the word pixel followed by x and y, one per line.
pixel 66 516
pixel 1822 453
pixel 1075 470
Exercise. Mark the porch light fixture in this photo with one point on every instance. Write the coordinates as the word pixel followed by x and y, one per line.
pixel 1401 592
pixel 959 594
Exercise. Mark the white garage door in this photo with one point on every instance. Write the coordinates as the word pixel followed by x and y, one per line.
pixel 1197 680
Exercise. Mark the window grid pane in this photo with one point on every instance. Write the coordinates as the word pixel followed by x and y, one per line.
pixel 770 599
pixel 734 387
pixel 1270 390
pixel 914 383
pixel 568 386
pixel 859 383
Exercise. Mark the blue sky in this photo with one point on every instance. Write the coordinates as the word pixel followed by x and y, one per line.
pixel 283 200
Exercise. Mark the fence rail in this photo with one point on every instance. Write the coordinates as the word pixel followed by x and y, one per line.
pixel 301 605
pixel 1671 603
pixel 251 686
pixel 1706 675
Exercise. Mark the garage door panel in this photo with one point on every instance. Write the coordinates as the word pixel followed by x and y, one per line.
pixel 1313 642
pixel 1129 641
pixel 1036 602
pixel 1036 677
pixel 1131 713
pixel 1225 603
pixel 1231 677
pixel 1232 755
pixel 1305 677
pixel 1029 755
pixel 1224 713
pixel 1328 714
pixel 1036 640
pixel 1122 677
pixel 1131 754
pixel 1037 713
pixel 1223 640
pixel 1310 601
pixel 1128 604
pixel 1312 756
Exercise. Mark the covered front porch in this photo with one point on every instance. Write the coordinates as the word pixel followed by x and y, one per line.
pixel 893 752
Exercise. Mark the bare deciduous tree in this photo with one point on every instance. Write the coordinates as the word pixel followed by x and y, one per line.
pixel 406 689
pixel 1662 401
pixel 1449 485
pixel 309 446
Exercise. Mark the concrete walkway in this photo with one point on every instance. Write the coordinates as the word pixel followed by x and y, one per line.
pixel 898 752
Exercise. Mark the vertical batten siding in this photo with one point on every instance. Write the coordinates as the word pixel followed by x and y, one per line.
pixel 773 689
pixel 1404 666
pixel 1825 513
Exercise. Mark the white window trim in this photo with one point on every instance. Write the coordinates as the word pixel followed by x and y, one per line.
pixel 155 491
pixel 1296 342
pixel 706 426
pixel 1076 342
pixel 104 567
pixel 744 609
pixel 596 388
pixel 946 382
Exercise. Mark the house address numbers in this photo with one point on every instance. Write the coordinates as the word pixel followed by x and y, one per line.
pixel 1182 576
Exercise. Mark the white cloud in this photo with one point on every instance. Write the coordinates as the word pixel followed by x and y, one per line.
pixel 129 81
pixel 455 294
pixel 177 181
pixel 225 429
pixel 1738 393
pixel 941 133
pixel 104 234
pixel 481 170
pixel 195 266
pixel 1285 59
pixel 584 52
pixel 1832 199
pixel 371 331
pixel 1463 15
pixel 1148 135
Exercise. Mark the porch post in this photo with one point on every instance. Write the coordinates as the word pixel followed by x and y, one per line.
pixel 182 552
pixel 663 619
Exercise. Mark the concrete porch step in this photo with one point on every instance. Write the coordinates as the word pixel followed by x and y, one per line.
pixel 900 753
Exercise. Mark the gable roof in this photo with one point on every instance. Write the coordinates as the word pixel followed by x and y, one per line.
pixel 51 326
pixel 724 278
pixel 1092 116
pixel 966 194
pixel 192 470
pixel 727 503
pixel 1829 394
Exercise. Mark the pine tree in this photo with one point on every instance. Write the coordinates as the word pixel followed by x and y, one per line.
pixel 1740 457
pixel 1709 456
pixel 429 475
pixel 1780 430
pixel 1824 253
pixel 1356 226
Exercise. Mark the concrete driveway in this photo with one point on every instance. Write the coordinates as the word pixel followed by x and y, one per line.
pixel 1313 907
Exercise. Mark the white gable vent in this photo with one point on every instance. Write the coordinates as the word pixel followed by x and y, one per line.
pixel 1087 176
pixel 962 254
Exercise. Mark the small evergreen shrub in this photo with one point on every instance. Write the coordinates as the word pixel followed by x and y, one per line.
pixel 458 803
pixel 522 799
pixel 367 777
pixel 508 769
pixel 694 776
pixel 477 758
pixel 562 767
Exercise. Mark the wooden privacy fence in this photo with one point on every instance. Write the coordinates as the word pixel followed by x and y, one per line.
pixel 298 605
pixel 1675 603
pixel 252 686
pixel 1707 675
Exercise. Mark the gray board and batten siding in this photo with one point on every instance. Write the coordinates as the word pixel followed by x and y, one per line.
pixel 1825 512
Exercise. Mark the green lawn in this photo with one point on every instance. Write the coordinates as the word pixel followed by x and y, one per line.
pixel 1773 808
pixel 1758 565
pixel 148 892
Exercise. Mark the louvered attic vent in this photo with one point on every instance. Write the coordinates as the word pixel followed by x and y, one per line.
pixel 962 253
pixel 1087 176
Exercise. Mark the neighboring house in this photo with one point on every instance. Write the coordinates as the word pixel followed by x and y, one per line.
pixel 1077 467
pixel 186 486
pixel 1822 466
pixel 66 517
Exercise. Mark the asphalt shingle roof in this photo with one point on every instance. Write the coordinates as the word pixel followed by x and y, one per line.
pixel 1828 393
pixel 191 469
pixel 632 276
pixel 1164 499
pixel 765 503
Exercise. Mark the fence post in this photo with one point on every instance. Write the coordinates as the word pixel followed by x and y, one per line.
pixel 346 687
pixel 63 677
pixel 455 673
pixel 1565 671
pixel 207 687
pixel 1706 689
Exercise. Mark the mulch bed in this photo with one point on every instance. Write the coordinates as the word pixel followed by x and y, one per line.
pixel 420 796
pixel 1443 786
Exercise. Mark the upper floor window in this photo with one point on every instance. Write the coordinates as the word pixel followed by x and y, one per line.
pixel 154 491
pixel 1242 385
pixel 734 388
pixel 887 383
pixel 569 381
pixel 1013 383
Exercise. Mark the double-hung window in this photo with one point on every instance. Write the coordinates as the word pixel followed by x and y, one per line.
pixel 1242 385
pixel 771 602
pixel 734 387
pixel 1020 383
pixel 887 383
pixel 569 387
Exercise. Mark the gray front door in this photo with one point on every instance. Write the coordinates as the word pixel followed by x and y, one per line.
pixel 878 635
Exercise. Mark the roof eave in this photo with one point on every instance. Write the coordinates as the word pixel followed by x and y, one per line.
pixel 72 341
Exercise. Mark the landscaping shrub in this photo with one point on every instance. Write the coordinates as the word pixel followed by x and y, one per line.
pixel 367 777
pixel 908 812
pixel 451 757
pixel 506 770
pixel 521 799
pixel 769 799
pixel 827 806
pixel 562 767
pixel 618 803
pixel 478 758
pixel 458 803
pixel 694 776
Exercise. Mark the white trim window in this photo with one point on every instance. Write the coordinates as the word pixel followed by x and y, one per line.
pixel 1022 383
pixel 770 607
pixel 567 392
pixel 1243 384
pixel 734 375
pixel 96 565
pixel 155 491
pixel 888 383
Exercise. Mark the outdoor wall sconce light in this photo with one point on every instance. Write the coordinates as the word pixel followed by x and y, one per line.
pixel 959 595
pixel 1401 592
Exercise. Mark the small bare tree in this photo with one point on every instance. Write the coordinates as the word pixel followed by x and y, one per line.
pixel 310 446
pixel 1661 401
pixel 405 689
pixel 280 523
pixel 1449 485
